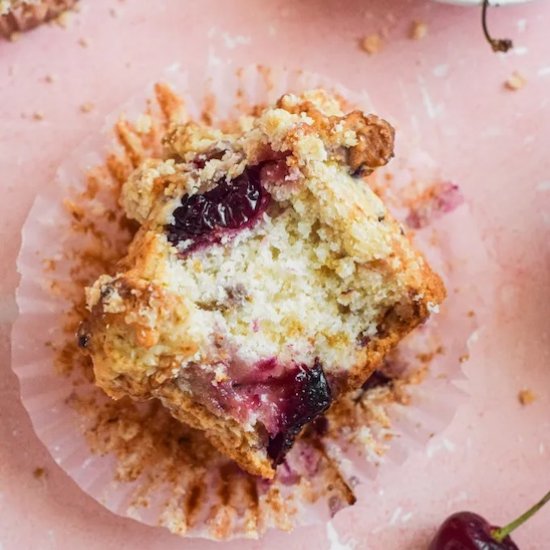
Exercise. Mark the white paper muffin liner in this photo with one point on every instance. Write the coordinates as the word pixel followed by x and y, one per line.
pixel 135 459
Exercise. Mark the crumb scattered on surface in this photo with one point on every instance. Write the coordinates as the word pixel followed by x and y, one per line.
pixel 464 358
pixel 515 81
pixel 113 12
pixel 38 115
pixel 526 396
pixel 39 473
pixel 372 43
pixel 63 19
pixel 83 42
pixel 419 30
pixel 87 107
pixel 49 78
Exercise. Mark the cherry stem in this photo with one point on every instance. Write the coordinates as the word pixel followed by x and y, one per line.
pixel 502 532
pixel 498 44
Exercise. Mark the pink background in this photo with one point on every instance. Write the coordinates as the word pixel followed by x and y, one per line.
pixel 494 458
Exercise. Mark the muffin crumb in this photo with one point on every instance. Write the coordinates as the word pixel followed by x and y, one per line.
pixel 63 19
pixel 515 81
pixel 526 397
pixel 418 30
pixel 87 107
pixel 38 115
pixel 372 43
pixel 39 473
pixel 83 42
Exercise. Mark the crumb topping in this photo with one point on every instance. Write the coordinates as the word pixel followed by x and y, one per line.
pixel 372 43
pixel 526 396
pixel 516 81
pixel 22 15
pixel 418 30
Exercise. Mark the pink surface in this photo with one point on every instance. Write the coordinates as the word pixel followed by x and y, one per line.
pixel 494 457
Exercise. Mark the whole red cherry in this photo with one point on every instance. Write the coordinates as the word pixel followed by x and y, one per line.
pixel 469 531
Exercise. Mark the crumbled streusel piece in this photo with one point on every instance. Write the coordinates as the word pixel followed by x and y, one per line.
pixel 63 19
pixel 372 43
pixel 419 30
pixel 23 15
pixel 87 107
pixel 39 472
pixel 515 81
pixel 526 396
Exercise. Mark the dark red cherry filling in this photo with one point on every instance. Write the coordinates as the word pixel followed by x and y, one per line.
pixel 284 398
pixel 299 395
pixel 229 206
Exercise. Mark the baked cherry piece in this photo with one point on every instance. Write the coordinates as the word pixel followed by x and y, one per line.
pixel 230 205
pixel 300 395
pixel 470 531
pixel 282 397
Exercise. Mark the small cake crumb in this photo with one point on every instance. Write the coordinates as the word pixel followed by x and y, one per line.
pixel 38 115
pixel 87 107
pixel 515 81
pixel 39 473
pixel 526 397
pixel 372 43
pixel 49 78
pixel 63 19
pixel 113 12
pixel 83 42
pixel 419 30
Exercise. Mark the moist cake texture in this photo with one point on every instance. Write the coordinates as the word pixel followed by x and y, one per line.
pixel 266 278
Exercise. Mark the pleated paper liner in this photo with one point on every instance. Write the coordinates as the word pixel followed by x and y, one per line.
pixel 133 457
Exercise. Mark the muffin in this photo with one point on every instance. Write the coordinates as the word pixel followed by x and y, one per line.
pixel 265 280
pixel 22 15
